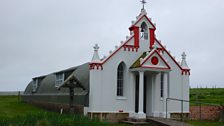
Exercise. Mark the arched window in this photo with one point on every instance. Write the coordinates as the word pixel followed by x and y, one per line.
pixel 144 31
pixel 120 80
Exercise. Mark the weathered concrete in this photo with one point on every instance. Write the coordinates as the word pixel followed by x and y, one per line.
pixel 166 122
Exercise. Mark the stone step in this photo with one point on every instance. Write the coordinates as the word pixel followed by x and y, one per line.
pixel 135 123
pixel 166 122
pixel 135 120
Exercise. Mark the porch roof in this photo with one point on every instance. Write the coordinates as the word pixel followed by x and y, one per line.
pixel 144 62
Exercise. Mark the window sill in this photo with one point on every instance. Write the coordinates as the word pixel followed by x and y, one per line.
pixel 121 98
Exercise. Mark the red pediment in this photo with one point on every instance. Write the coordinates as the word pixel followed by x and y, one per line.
pixel 154 60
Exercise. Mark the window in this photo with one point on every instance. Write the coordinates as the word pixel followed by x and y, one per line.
pixel 162 85
pixel 59 79
pixel 144 31
pixel 120 79
pixel 35 84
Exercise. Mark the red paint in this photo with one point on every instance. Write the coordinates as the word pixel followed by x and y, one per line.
pixel 154 60
pixel 97 66
pixel 130 48
pixel 140 20
pixel 136 36
pixel 152 37
pixel 186 72
pixel 160 58
pixel 92 65
pixel 158 68
pixel 173 58
pixel 117 50
pixel 135 29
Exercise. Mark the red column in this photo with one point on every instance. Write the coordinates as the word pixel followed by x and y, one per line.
pixel 152 37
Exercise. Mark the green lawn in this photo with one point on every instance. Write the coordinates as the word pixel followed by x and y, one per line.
pixel 11 107
pixel 208 95
pixel 205 123
pixel 15 113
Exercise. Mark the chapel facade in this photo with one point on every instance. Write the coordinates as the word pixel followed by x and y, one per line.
pixel 139 76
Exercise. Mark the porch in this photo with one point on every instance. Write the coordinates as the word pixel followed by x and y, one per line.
pixel 149 86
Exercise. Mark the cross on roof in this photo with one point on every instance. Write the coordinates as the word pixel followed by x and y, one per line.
pixel 143 3
pixel 96 47
pixel 184 55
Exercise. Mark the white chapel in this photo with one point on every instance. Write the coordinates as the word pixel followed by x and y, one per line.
pixel 138 79
pixel 138 76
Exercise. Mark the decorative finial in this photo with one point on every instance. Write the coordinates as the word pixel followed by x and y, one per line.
pixel 184 62
pixel 96 57
pixel 96 47
pixel 184 55
pixel 143 4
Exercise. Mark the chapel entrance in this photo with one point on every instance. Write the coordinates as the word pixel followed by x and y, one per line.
pixel 148 93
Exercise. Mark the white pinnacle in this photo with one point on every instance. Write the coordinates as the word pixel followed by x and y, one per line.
pixel 96 57
pixel 184 62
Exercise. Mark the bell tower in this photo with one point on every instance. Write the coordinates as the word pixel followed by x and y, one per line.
pixel 143 28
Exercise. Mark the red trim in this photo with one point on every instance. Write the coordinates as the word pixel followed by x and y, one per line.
pixel 117 50
pixel 160 50
pixel 136 46
pixel 140 20
pixel 100 65
pixel 155 68
pixel 130 48
pixel 152 37
pixel 97 66
pixel 172 57
pixel 136 36
pixel 159 56
pixel 186 72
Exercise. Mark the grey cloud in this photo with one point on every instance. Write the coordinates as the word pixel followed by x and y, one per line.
pixel 40 37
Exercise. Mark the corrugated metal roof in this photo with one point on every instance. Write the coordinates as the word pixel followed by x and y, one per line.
pixel 47 85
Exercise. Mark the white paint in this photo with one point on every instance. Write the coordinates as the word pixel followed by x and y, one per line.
pixel 86 109
pixel 141 114
pixel 103 83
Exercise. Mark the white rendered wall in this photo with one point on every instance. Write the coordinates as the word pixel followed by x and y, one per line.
pixel 103 85
pixel 179 87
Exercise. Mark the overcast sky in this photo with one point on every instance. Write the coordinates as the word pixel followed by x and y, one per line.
pixel 38 37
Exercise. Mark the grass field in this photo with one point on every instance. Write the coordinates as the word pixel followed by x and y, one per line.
pixel 205 123
pixel 208 95
pixel 11 107
pixel 16 113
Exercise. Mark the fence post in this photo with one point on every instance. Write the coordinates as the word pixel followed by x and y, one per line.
pixel 200 110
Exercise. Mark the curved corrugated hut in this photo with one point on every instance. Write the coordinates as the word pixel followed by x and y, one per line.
pixel 54 88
